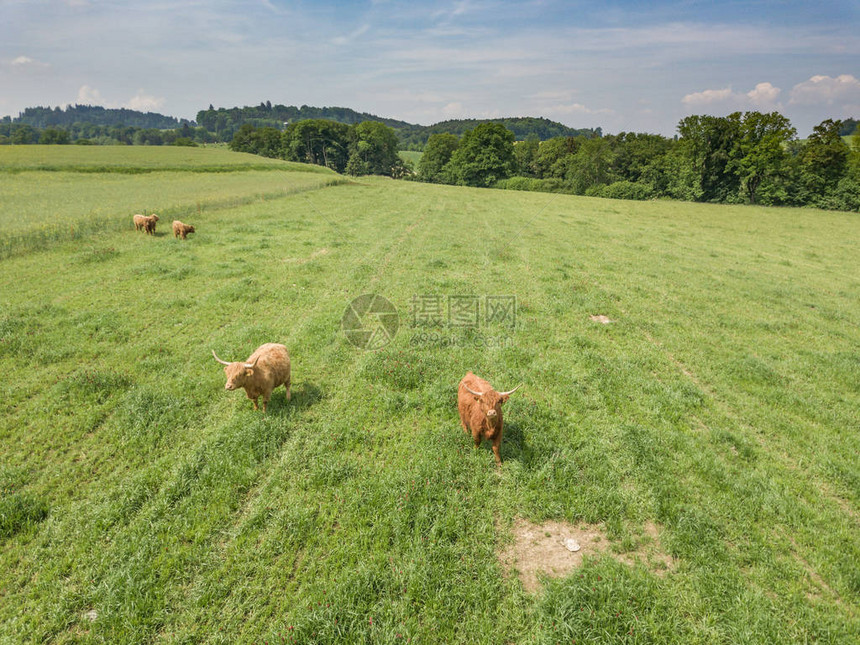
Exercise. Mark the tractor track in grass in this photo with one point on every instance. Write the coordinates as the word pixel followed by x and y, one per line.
pixel 255 497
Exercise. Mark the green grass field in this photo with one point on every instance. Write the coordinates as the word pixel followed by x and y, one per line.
pixel 143 503
pixel 412 156
pixel 52 193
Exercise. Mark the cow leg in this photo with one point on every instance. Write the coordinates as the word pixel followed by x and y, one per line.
pixel 476 437
pixel 256 407
pixel 265 403
pixel 497 444
pixel 287 385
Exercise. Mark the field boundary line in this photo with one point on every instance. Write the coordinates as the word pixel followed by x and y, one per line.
pixel 17 244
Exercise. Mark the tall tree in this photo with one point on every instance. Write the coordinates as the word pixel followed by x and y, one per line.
pixel 708 143
pixel 437 153
pixel 760 155
pixel 526 152
pixel 823 160
pixel 485 155
pixel 317 141
pixel 591 166
pixel 373 150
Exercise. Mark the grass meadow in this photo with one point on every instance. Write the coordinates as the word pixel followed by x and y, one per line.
pixel 143 503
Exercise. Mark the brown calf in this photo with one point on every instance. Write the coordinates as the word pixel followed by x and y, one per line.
pixel 267 368
pixel 181 230
pixel 149 226
pixel 480 409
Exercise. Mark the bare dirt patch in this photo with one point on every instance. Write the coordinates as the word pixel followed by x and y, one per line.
pixel 602 319
pixel 546 549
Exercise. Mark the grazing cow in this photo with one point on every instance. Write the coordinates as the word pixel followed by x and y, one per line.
pixel 267 368
pixel 480 409
pixel 139 222
pixel 149 225
pixel 181 230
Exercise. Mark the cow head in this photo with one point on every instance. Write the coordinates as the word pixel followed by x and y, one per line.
pixel 154 217
pixel 237 373
pixel 189 229
pixel 491 403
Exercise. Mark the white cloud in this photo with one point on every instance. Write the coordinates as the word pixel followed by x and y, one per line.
pixel 24 62
pixel 826 90
pixel 453 110
pixel 764 95
pixel 708 97
pixel 343 40
pixel 89 96
pixel 574 108
pixel 144 102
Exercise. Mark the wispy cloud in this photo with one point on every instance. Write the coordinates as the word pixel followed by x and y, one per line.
pixel 343 40
pixel 575 62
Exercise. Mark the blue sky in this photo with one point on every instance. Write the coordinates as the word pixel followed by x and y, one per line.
pixel 622 65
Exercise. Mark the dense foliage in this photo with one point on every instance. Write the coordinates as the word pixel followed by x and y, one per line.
pixel 746 157
pixel 523 128
pixel 225 122
pixel 366 148
pixel 16 133
pixel 42 117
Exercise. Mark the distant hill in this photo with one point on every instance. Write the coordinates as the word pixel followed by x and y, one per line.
pixel 43 117
pixel 222 123
pixel 522 127
pixel 226 121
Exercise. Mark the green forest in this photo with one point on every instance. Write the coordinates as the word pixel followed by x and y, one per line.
pixel 98 125
pixel 749 157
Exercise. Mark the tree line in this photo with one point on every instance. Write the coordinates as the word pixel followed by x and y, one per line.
pixel 44 117
pixel 15 133
pixel 220 125
pixel 366 148
pixel 416 137
pixel 225 123
pixel 747 157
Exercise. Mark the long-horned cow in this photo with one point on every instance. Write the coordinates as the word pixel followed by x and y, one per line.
pixel 267 368
pixel 480 409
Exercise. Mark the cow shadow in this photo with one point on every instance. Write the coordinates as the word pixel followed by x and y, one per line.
pixel 513 442
pixel 304 396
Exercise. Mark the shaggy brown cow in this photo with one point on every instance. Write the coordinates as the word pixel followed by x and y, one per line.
pixel 480 409
pixel 267 368
pixel 181 230
pixel 149 225
pixel 139 222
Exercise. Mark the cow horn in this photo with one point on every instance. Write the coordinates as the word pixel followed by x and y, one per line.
pixel 252 365
pixel 218 359
pixel 511 391
pixel 473 391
